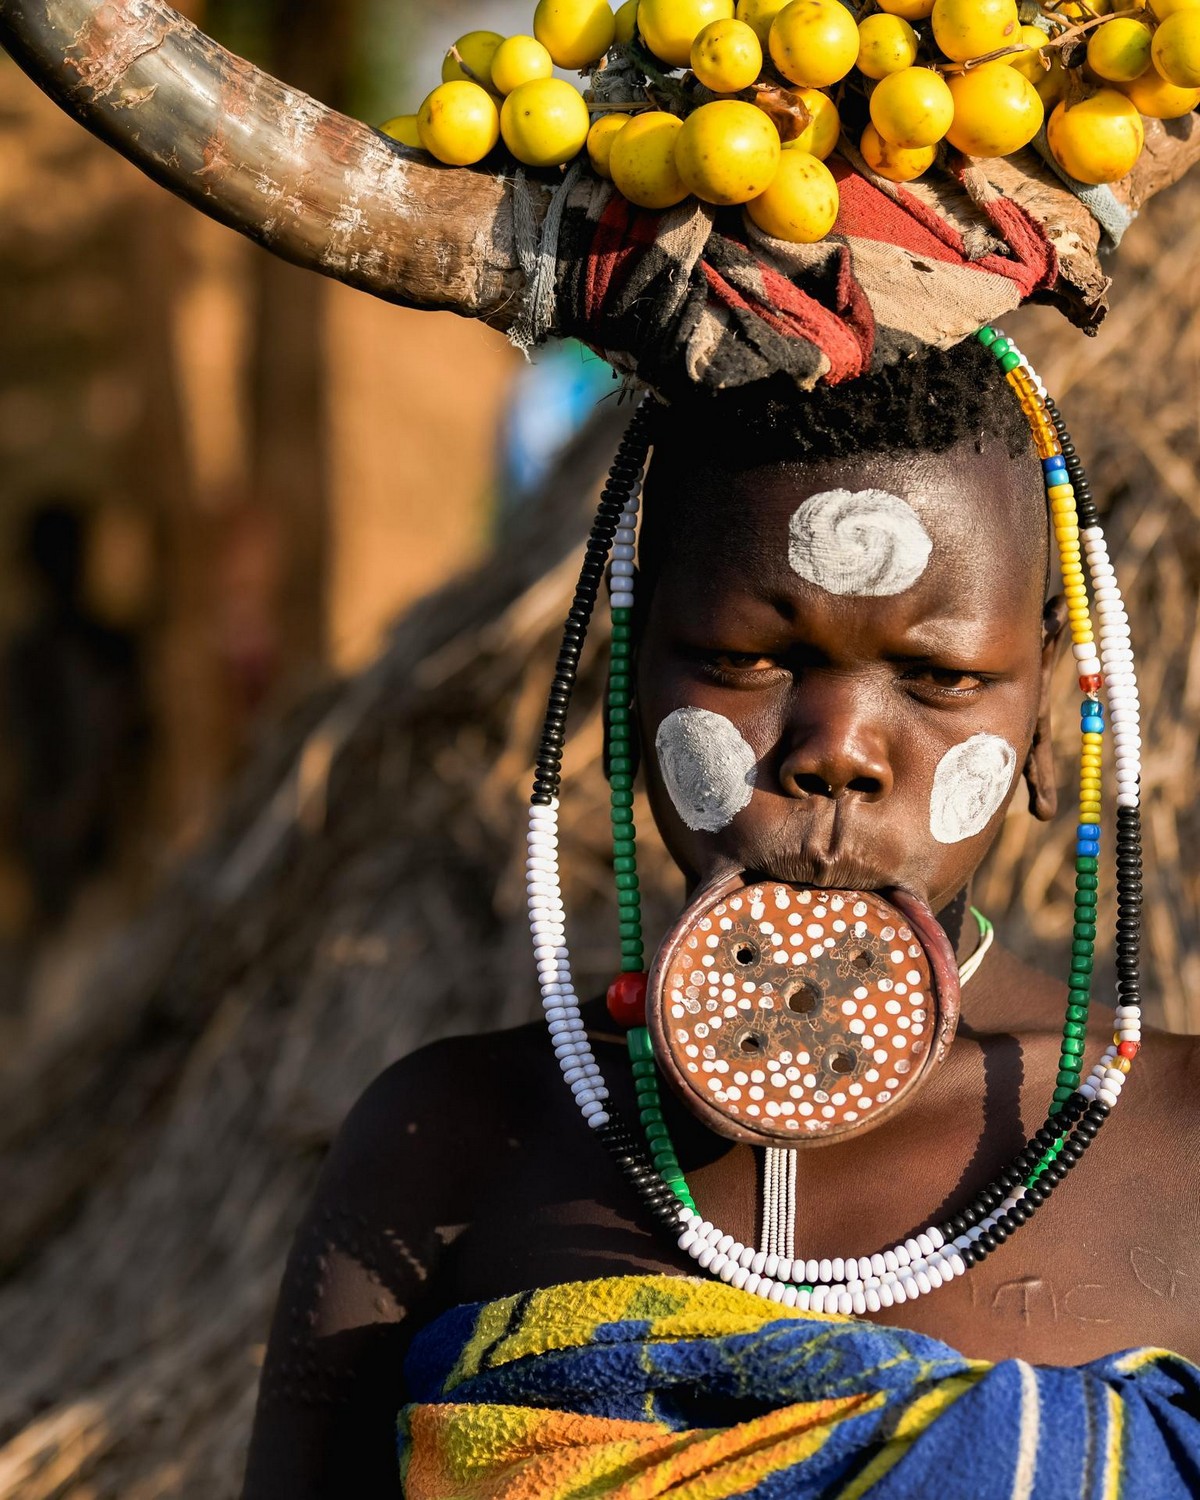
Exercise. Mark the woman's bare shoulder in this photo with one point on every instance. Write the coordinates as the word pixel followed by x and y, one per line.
pixel 398 1186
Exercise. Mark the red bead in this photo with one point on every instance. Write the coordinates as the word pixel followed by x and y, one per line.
pixel 1091 684
pixel 1128 1049
pixel 627 999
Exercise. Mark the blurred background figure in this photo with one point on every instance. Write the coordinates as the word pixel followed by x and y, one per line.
pixel 76 721
pixel 552 398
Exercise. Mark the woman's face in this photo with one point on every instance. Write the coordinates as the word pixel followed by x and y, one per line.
pixel 842 668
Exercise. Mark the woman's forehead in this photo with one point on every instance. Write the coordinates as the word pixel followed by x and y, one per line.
pixel 876 527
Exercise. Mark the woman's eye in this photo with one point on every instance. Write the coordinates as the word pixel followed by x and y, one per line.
pixel 739 662
pixel 946 679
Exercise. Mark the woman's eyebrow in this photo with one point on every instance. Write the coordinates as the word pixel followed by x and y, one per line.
pixel 944 635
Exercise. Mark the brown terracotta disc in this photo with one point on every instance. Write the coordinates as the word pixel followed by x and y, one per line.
pixel 786 1015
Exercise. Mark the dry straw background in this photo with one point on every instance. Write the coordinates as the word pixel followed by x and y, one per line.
pixel 363 896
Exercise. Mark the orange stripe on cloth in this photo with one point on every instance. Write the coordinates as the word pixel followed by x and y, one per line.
pixel 491 1452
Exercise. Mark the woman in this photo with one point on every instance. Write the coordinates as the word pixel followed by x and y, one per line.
pixel 852 653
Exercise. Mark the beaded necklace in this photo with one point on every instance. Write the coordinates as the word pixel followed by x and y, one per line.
pixel 940 1252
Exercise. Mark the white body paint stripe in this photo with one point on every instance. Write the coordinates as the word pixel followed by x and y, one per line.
pixel 864 542
pixel 969 787
pixel 707 767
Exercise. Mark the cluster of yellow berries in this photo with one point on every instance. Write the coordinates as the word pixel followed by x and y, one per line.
pixel 741 101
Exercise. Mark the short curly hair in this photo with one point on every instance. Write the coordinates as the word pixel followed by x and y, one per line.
pixel 926 404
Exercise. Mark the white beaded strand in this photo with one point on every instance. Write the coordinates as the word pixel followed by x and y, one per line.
pixel 560 1003
pixel 1106 1081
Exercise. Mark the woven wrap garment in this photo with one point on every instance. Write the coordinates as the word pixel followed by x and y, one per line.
pixel 637 1387
pixel 699 296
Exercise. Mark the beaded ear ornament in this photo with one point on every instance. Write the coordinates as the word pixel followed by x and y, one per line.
pixel 1104 661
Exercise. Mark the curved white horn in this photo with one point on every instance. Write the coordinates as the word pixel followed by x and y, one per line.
pixel 312 185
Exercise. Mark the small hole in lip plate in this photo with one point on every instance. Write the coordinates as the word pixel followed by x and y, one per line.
pixel 745 954
pixel 804 998
pixel 861 960
pixel 750 1042
pixel 842 1061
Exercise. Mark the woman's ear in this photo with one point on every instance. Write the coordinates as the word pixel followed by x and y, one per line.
pixel 1039 766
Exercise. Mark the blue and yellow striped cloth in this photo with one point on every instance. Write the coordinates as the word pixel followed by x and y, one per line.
pixel 646 1386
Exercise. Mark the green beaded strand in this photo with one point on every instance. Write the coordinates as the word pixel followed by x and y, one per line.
pixel 629 901
pixel 650 1111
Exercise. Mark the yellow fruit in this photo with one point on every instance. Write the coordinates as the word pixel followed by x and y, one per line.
pixel 600 141
pixel 642 161
pixel 626 22
pixel 801 205
pixel 476 50
pixel 726 56
pixel 894 162
pixel 912 108
pixel 1154 97
pixel 970 28
pixel 759 14
pixel 885 45
pixel 1033 39
pixel 996 111
pixel 669 27
pixel 911 10
pixel 576 33
pixel 1098 139
pixel 459 123
pixel 1177 49
pixel 544 122
pixel 1073 11
pixel 1052 84
pixel 1164 8
pixel 519 60
pixel 402 128
pixel 727 152
pixel 814 42
pixel 1119 51
pixel 820 135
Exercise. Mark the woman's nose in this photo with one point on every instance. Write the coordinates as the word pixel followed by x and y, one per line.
pixel 834 747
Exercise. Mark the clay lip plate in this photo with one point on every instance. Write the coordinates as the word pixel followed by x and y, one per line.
pixel 792 1015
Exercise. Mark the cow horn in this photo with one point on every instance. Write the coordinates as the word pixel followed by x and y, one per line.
pixel 310 184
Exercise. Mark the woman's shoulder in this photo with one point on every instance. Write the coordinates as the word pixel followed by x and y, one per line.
pixel 427 1099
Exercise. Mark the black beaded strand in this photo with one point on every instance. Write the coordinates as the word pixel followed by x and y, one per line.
pixel 627 1154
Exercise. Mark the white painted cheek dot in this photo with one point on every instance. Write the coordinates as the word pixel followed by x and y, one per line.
pixel 864 542
pixel 707 767
pixel 969 787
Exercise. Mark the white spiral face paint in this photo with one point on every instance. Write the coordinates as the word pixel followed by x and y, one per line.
pixel 865 542
pixel 707 766
pixel 969 787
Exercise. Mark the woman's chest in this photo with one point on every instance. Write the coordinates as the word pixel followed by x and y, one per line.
pixel 1107 1263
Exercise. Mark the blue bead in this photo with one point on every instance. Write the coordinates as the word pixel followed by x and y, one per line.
pixel 1056 474
pixel 1092 708
pixel 1093 725
pixel 1053 462
pixel 1087 848
pixel 1089 830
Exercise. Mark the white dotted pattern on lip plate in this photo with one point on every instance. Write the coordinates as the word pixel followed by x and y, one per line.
pixel 799 1012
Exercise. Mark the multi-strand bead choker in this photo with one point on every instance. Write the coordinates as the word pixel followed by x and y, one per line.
pixel 942 1251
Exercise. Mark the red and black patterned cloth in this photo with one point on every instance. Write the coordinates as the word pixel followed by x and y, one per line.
pixel 695 295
